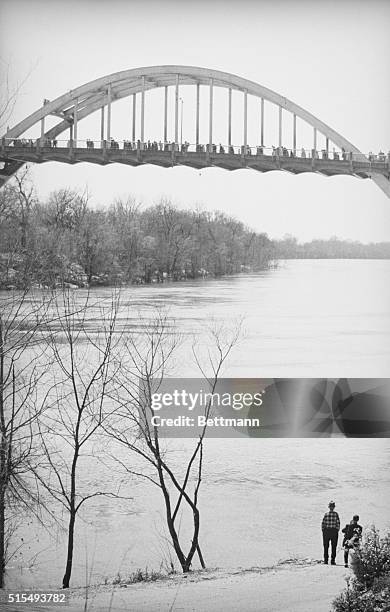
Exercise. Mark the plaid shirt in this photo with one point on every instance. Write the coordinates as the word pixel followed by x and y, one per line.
pixel 331 520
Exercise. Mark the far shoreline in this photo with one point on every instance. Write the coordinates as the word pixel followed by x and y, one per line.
pixel 188 281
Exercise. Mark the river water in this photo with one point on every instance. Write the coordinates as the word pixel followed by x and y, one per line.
pixel 262 500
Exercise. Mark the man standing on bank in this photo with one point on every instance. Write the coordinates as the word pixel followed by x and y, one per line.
pixel 330 532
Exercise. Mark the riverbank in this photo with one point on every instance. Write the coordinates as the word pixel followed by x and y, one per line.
pixel 333 321
pixel 297 586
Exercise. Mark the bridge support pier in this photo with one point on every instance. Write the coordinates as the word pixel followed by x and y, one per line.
pixel 230 118
pixel 177 110
pixel 134 116
pixel 262 123
pixel 280 127
pixel 165 114
pixel 295 134
pixel 245 120
pixel 102 126
pixel 108 113
pixel 42 129
pixel 71 154
pixel 75 119
pixel 197 113
pixel 211 116
pixel 143 110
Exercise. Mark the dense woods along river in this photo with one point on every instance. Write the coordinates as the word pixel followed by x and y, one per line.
pixel 261 500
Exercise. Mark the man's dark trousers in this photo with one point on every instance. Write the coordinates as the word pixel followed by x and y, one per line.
pixel 330 534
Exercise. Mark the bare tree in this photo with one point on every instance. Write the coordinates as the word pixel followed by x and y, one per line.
pixel 23 367
pixel 26 199
pixel 17 233
pixel 148 358
pixel 82 343
pixel 9 92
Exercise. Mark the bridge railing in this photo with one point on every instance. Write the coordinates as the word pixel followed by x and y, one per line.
pixel 160 147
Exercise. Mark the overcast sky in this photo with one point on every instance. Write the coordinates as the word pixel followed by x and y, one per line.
pixel 329 57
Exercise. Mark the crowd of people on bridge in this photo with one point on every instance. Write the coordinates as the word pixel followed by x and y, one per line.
pixel 183 147
pixel 30 143
pixel 380 157
pixel 149 145
pixel 280 151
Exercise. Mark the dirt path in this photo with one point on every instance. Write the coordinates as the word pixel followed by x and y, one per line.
pixel 290 588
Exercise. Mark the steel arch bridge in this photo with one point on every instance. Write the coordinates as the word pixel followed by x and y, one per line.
pixel 99 95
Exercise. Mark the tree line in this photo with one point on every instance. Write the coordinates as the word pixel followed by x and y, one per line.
pixel 65 241
pixel 333 248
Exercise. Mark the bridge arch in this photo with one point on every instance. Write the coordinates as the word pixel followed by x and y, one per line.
pixel 79 103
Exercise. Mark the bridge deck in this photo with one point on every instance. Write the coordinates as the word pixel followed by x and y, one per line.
pixel 262 163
